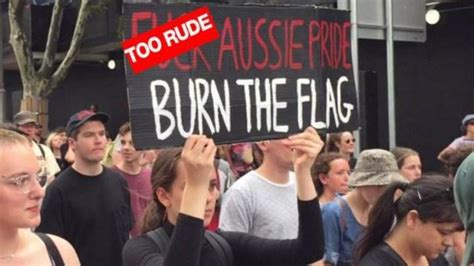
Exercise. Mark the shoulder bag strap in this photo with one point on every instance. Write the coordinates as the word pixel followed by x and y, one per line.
pixel 220 245
pixel 160 238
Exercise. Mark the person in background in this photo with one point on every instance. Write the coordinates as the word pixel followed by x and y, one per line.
pixel 408 162
pixel 54 141
pixel 345 218
pixel 330 174
pixel 39 134
pixel 467 127
pixel 239 156
pixel 184 186
pixel 342 143
pixel 148 158
pixel 138 178
pixel 20 196
pixel 413 227
pixel 263 202
pixel 26 121
pixel 89 204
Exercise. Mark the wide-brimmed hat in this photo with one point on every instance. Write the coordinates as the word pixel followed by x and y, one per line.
pixel 375 167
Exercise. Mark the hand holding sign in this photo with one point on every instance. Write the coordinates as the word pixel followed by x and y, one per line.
pixel 198 160
pixel 306 146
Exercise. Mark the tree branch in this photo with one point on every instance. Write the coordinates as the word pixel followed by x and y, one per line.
pixel 19 41
pixel 60 73
pixel 18 6
pixel 52 42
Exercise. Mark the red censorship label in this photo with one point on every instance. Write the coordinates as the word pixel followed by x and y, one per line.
pixel 169 40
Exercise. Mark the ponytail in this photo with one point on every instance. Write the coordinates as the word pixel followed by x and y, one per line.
pixel 380 221
pixel 163 176
pixel 430 196
pixel 153 217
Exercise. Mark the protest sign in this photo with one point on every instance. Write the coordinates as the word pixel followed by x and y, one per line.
pixel 273 71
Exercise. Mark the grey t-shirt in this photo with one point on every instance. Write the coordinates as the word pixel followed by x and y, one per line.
pixel 261 208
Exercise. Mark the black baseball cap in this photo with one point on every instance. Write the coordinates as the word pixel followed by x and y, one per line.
pixel 78 119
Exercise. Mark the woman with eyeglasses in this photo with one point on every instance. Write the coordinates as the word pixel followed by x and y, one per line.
pixel 342 143
pixel 20 196
pixel 411 224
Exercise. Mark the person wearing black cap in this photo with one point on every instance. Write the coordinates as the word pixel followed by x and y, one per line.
pixel 467 140
pixel 88 204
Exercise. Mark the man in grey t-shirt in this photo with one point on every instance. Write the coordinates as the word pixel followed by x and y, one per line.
pixel 263 202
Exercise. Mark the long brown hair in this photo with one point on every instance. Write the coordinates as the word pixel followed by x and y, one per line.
pixel 332 139
pixel 163 176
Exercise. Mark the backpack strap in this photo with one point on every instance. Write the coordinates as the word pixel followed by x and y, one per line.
pixel 52 249
pixel 41 150
pixel 220 245
pixel 160 238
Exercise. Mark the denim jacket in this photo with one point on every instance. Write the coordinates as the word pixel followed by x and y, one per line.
pixel 341 231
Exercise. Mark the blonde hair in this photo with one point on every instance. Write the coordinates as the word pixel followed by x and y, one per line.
pixel 49 140
pixel 9 137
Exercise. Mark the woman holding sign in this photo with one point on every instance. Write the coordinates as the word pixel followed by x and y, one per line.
pixel 184 185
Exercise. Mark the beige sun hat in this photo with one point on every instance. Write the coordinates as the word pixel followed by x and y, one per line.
pixel 375 167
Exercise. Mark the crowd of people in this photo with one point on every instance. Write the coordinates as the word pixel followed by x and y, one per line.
pixel 79 197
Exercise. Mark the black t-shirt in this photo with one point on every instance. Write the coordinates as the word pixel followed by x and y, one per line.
pixel 384 255
pixel 188 246
pixel 91 212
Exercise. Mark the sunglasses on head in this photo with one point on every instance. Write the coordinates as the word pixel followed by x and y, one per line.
pixel 349 141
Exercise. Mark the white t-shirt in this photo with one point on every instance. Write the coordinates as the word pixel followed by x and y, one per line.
pixel 47 161
pixel 257 206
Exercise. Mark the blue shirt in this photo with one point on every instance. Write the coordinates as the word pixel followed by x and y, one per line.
pixel 341 231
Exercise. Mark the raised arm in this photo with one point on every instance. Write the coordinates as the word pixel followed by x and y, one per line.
pixel 309 246
pixel 306 146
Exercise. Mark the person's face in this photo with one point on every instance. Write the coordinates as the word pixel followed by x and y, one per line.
pixel 172 199
pixel 127 151
pixel 90 143
pixel 346 146
pixel 411 168
pixel 19 204
pixel 431 239
pixel 39 130
pixel 29 128
pixel 63 137
pixel 278 153
pixel 57 142
pixel 335 181
pixel 470 127
pixel 371 193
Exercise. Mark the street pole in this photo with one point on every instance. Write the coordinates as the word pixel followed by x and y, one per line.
pixel 392 140
pixel 3 92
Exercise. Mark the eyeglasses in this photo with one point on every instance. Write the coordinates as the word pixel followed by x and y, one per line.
pixel 349 141
pixel 25 183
